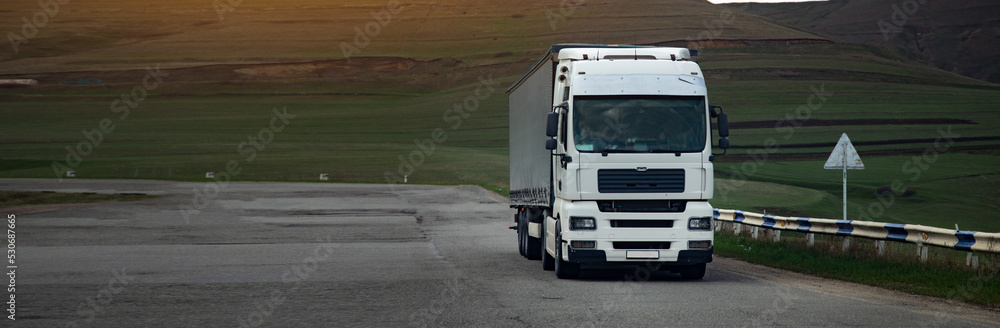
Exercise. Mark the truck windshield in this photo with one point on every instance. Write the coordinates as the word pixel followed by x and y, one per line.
pixel 639 124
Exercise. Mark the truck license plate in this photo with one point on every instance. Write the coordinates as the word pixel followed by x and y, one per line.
pixel 642 254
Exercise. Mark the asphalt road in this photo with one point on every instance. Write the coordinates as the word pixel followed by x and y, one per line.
pixel 323 254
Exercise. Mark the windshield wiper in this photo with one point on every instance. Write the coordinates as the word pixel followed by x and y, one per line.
pixel 608 151
pixel 676 152
pixel 605 151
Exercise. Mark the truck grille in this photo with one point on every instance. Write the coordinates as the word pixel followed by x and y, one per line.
pixel 630 180
pixel 656 205
pixel 641 244
pixel 642 223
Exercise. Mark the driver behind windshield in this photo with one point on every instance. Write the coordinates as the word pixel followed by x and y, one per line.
pixel 596 133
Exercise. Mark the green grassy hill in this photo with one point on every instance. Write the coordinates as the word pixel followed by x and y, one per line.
pixel 893 109
pixel 362 117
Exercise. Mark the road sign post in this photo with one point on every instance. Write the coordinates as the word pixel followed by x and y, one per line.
pixel 844 157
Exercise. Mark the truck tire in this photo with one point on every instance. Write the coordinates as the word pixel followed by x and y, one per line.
pixel 564 270
pixel 693 272
pixel 528 244
pixel 548 262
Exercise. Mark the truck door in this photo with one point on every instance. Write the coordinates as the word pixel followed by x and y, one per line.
pixel 561 160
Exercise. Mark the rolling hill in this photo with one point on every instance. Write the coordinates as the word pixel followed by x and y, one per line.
pixel 957 36
pixel 112 35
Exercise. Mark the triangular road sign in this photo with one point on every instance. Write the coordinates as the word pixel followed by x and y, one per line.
pixel 844 153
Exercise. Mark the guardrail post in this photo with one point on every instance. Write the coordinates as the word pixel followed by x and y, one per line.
pixel 736 228
pixel 972 261
pixel 777 235
pixel 922 252
pixel 880 247
pixel 810 239
pixel 754 231
pixel 846 245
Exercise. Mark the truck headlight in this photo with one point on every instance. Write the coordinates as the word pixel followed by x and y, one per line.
pixel 703 223
pixel 582 223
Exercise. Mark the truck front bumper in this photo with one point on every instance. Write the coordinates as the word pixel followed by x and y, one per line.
pixel 674 244
pixel 601 256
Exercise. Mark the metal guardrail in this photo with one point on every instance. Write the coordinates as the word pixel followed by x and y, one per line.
pixel 970 241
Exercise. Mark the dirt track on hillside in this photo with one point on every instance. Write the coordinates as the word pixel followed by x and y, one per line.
pixel 742 156
pixel 849 122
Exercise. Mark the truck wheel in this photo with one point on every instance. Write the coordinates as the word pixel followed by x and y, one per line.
pixel 564 270
pixel 694 272
pixel 548 263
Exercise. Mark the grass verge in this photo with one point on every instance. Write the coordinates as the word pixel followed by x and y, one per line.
pixel 940 277
pixel 19 198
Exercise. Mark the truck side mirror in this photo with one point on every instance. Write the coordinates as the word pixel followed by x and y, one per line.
pixel 723 125
pixel 552 125
pixel 714 110
pixel 550 144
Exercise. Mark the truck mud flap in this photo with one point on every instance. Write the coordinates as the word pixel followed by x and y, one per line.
pixel 535 229
pixel 586 255
pixel 695 256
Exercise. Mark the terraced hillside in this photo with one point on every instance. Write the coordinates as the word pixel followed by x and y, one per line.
pixel 958 36
pixel 369 116
pixel 118 34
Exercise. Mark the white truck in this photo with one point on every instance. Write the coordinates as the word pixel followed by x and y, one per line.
pixel 611 159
